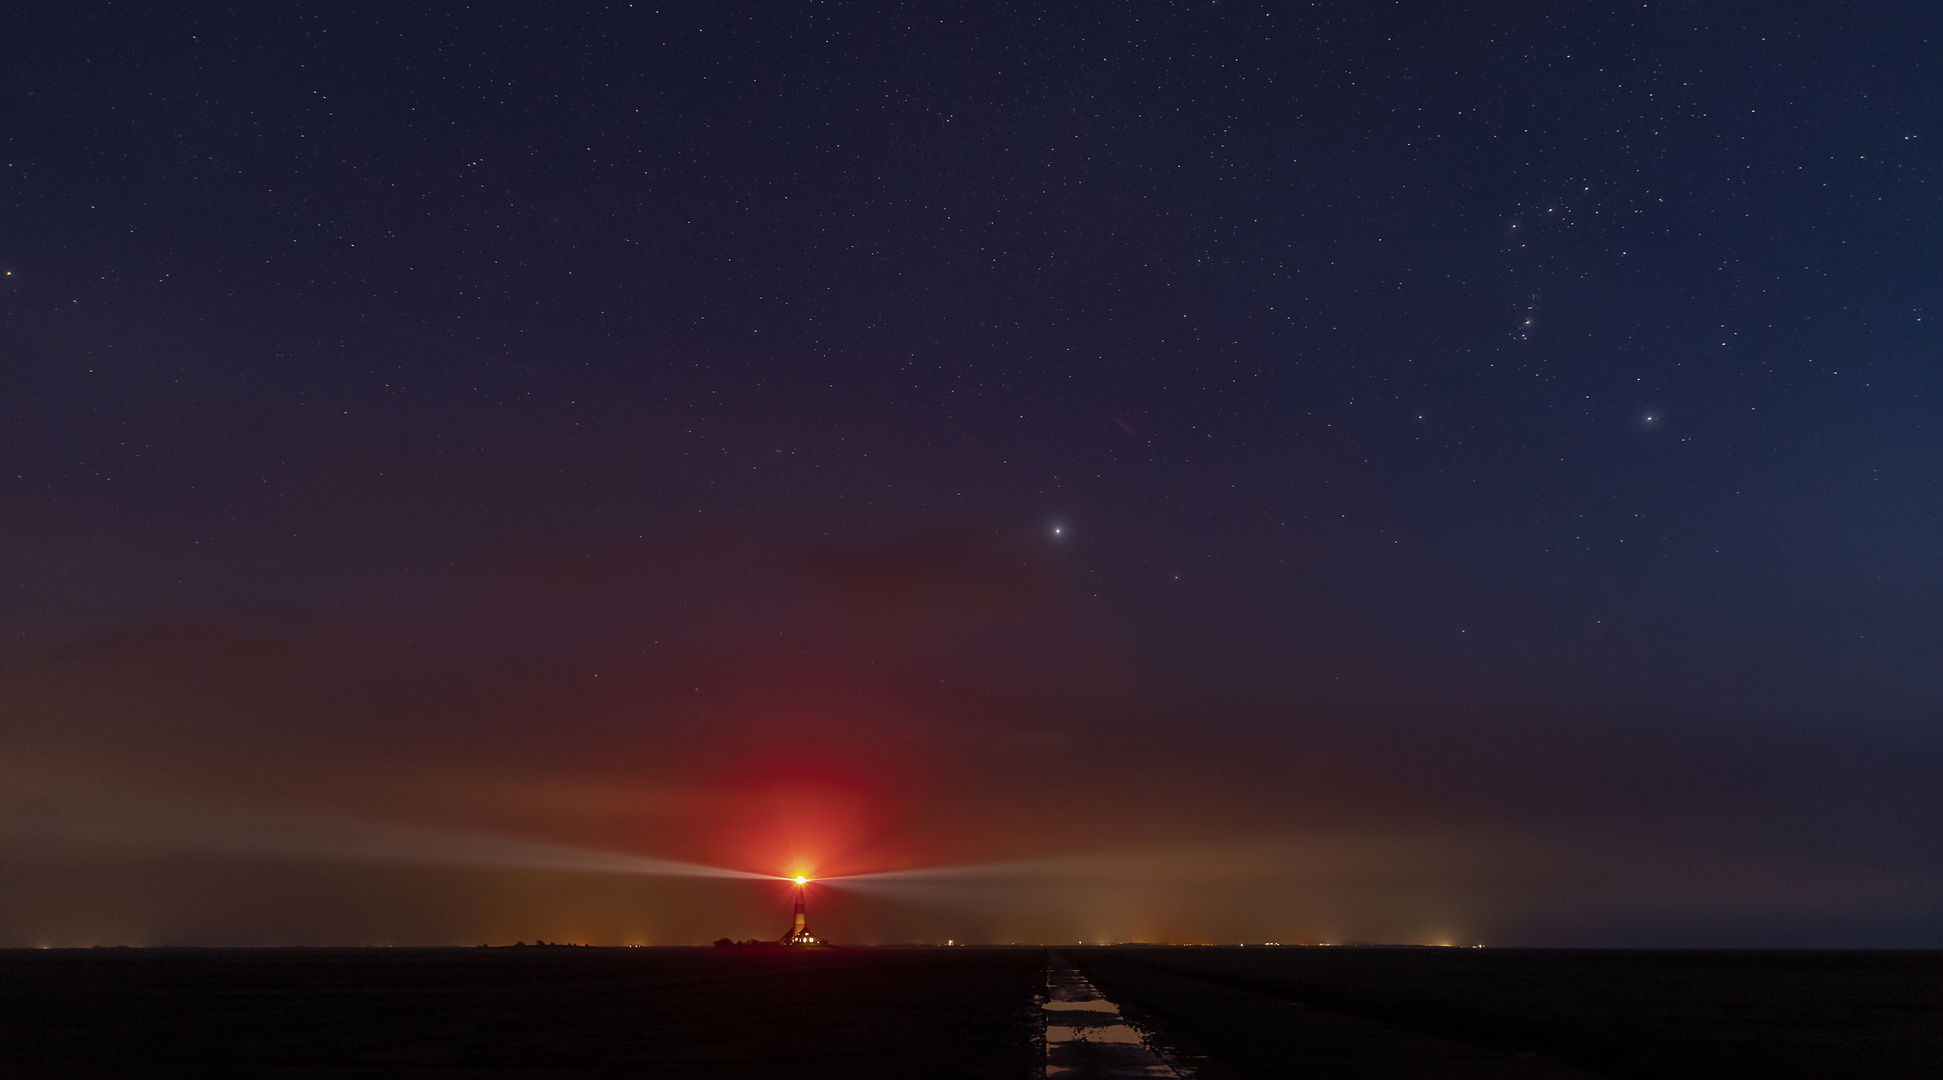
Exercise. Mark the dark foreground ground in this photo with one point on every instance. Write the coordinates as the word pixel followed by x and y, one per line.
pixel 1433 1013
pixel 1228 1013
pixel 519 1012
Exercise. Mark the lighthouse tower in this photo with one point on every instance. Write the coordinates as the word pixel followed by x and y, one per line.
pixel 799 929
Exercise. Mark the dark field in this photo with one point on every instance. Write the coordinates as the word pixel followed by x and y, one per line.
pixel 1531 1013
pixel 964 1012
pixel 519 1012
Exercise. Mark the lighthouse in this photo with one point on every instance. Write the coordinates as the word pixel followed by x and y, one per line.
pixel 799 929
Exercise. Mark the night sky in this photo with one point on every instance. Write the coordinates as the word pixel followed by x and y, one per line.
pixel 1181 471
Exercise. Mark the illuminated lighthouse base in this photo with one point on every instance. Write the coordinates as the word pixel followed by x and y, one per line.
pixel 799 930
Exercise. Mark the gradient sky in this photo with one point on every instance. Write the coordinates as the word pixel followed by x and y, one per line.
pixel 1184 471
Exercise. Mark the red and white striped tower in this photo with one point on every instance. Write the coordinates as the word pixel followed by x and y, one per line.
pixel 799 930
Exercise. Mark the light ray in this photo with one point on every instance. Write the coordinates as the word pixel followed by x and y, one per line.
pixel 288 836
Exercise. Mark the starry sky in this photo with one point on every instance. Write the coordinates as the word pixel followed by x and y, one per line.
pixel 1132 471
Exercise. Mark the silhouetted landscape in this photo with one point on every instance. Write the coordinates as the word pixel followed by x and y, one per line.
pixel 967 1012
pixel 1532 1012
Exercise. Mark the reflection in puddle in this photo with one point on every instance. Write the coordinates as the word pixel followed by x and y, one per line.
pixel 1086 1037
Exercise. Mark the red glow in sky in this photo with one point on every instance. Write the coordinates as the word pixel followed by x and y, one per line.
pixel 810 812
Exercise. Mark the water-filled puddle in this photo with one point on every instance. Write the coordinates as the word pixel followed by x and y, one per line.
pixel 1086 1037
